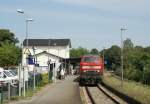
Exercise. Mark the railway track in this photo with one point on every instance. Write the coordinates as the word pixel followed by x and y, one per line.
pixel 99 95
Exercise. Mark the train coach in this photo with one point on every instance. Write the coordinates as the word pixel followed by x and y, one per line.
pixel 91 69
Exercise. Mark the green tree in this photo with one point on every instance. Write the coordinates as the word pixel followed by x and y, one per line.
pixel 147 50
pixel 127 44
pixel 136 61
pixel 78 52
pixel 94 51
pixel 7 37
pixel 10 55
pixel 146 74
pixel 127 52
pixel 112 55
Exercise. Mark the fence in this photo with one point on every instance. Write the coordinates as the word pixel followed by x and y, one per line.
pixel 11 92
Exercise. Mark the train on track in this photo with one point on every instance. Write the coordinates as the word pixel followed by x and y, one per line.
pixel 91 69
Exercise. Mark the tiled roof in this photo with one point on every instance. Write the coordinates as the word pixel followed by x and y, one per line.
pixel 47 42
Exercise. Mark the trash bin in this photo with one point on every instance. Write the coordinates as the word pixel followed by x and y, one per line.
pixel 13 90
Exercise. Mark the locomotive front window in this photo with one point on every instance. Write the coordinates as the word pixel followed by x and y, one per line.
pixel 90 59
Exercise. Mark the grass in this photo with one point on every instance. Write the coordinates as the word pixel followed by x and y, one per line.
pixel 44 82
pixel 14 98
pixel 136 90
pixel 29 93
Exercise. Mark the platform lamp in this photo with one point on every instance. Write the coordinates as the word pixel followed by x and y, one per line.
pixel 26 21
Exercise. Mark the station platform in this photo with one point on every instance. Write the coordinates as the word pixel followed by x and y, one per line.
pixel 61 92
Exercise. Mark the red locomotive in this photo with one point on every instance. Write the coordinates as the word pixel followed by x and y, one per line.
pixel 91 69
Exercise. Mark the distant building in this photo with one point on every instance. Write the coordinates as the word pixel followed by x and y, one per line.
pixel 45 49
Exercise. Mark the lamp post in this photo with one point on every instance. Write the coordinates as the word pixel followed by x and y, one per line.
pixel 26 21
pixel 27 49
pixel 34 67
pixel 22 12
pixel 122 29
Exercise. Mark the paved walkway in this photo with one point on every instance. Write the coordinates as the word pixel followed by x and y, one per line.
pixel 62 92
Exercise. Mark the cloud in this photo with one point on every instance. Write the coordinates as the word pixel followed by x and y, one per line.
pixel 113 5
pixel 104 9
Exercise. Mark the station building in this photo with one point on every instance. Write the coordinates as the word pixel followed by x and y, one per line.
pixel 41 51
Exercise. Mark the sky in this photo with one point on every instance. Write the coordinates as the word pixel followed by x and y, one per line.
pixel 88 23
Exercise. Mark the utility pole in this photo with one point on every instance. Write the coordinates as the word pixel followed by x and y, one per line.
pixel 103 58
pixel 122 77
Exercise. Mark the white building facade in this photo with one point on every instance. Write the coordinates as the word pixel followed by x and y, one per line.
pixel 45 49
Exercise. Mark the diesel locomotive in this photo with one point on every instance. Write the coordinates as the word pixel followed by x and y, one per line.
pixel 91 69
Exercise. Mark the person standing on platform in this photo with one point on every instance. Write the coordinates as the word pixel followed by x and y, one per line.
pixel 62 74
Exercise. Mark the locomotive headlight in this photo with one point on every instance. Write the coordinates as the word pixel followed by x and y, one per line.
pixel 91 67
pixel 84 70
pixel 98 71
pixel 97 67
pixel 85 67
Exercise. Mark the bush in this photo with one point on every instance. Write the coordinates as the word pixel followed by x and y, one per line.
pixel 118 71
pixel 133 74
pixel 146 74
pixel 44 79
pixel 40 80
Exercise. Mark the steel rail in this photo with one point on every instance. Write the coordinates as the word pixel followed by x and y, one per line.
pixel 90 96
pixel 102 89
pixel 108 95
